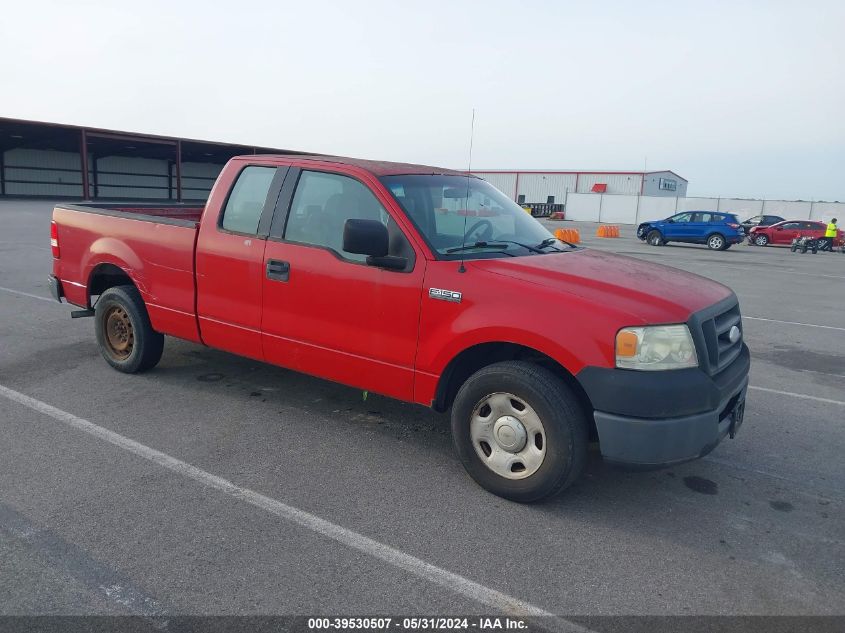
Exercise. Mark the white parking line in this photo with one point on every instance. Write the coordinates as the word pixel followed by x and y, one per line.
pixel 803 396
pixel 392 556
pixel 26 294
pixel 824 327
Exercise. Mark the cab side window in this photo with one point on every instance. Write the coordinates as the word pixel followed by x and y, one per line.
pixel 682 217
pixel 246 201
pixel 322 204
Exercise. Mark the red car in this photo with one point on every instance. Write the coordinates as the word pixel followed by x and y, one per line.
pixel 426 285
pixel 784 232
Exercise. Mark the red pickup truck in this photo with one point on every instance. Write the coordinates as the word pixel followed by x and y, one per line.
pixel 426 285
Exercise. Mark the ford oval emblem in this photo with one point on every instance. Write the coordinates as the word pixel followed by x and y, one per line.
pixel 734 335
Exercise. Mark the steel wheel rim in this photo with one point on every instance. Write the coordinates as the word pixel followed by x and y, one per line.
pixel 120 335
pixel 508 435
pixel 715 242
pixel 760 240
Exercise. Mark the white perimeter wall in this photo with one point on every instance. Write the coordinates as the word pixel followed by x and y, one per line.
pixel 622 209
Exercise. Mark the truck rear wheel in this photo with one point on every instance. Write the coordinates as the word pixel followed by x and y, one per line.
pixel 519 431
pixel 127 340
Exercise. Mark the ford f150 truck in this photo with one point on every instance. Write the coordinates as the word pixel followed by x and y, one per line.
pixel 426 285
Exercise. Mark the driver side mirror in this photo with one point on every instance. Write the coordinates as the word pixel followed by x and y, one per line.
pixel 370 238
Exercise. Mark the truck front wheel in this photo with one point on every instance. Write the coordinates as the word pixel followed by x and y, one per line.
pixel 127 340
pixel 519 431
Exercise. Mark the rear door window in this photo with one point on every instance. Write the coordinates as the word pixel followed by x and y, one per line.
pixel 246 200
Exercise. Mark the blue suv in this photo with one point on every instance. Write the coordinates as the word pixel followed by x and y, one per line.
pixel 718 230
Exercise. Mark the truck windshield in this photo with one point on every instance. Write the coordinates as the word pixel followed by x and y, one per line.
pixel 468 217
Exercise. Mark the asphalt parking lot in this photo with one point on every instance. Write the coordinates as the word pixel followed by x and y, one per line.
pixel 88 526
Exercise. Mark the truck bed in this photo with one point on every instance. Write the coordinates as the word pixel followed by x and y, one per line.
pixel 153 244
pixel 181 214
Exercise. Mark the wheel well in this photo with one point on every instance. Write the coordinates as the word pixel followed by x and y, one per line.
pixel 474 358
pixel 106 276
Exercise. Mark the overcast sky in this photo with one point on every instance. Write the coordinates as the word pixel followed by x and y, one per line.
pixel 741 98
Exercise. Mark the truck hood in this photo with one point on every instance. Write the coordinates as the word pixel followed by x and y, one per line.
pixel 651 292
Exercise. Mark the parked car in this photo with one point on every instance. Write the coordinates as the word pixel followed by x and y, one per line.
pixel 761 220
pixel 719 231
pixel 421 284
pixel 787 231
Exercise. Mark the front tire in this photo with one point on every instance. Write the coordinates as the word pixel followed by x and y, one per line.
pixel 654 238
pixel 519 431
pixel 761 240
pixel 126 338
pixel 717 242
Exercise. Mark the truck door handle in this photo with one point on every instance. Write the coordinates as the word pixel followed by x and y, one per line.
pixel 278 270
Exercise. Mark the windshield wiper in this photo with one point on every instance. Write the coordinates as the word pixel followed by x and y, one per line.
pixel 500 245
pixel 533 249
pixel 549 241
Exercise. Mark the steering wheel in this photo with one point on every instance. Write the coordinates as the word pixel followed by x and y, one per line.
pixel 484 229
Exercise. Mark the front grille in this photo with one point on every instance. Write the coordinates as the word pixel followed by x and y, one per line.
pixel 721 351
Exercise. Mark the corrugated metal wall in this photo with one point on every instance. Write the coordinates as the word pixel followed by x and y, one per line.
pixel 616 183
pixel 129 177
pixel 30 172
pixel 651 186
pixel 197 179
pixel 506 183
pixel 538 187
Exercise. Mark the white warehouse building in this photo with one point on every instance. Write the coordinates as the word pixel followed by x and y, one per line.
pixel 552 187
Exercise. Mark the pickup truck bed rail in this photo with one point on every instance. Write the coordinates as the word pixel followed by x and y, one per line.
pixel 176 214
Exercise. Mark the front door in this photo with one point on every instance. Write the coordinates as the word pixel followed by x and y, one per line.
pixel 679 229
pixel 785 233
pixel 325 311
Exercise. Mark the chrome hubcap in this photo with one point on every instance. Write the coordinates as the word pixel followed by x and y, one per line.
pixel 508 436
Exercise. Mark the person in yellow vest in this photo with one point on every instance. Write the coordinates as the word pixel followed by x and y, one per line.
pixel 830 235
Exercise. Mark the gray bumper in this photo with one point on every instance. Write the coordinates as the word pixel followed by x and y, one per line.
pixel 652 443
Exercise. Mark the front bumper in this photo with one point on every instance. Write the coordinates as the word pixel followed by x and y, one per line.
pixel 653 419
pixel 654 443
pixel 56 290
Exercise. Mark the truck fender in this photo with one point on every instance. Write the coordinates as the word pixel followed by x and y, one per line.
pixel 109 250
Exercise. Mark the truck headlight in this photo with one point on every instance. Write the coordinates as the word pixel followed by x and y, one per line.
pixel 654 348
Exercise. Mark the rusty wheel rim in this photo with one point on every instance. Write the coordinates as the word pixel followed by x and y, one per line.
pixel 120 336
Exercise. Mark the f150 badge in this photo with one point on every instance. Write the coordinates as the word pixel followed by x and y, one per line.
pixel 444 295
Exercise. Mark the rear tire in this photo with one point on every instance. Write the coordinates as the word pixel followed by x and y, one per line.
pixel 519 431
pixel 717 242
pixel 654 238
pixel 126 338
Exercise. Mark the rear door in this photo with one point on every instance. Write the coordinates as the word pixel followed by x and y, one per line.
pixel 702 224
pixel 325 311
pixel 230 259
pixel 812 230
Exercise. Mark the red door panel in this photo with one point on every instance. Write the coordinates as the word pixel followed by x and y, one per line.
pixel 344 321
pixel 229 284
